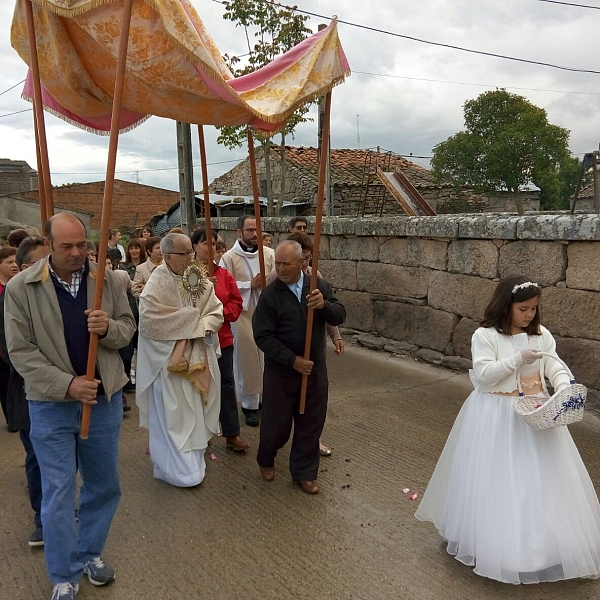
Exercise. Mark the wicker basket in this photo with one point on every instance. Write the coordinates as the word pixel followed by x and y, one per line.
pixel 564 408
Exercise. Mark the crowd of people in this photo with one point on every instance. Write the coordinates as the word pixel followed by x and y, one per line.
pixel 202 346
pixel 211 335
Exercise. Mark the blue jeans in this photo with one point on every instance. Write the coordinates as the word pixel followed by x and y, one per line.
pixel 55 438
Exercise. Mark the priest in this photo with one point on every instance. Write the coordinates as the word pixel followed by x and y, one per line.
pixel 178 379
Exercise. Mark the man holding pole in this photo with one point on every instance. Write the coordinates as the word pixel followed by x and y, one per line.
pixel 48 327
pixel 279 330
pixel 242 261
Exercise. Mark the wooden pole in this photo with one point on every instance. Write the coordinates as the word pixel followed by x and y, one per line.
pixel 107 201
pixel 41 189
pixel 578 188
pixel 261 256
pixel 206 194
pixel 317 240
pixel 39 122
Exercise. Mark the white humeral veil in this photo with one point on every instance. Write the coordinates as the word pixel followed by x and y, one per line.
pixel 179 417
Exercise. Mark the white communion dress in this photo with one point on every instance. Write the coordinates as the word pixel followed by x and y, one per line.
pixel 516 504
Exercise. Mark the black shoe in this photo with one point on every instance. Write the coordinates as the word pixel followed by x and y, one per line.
pixel 12 429
pixel 126 408
pixel 36 538
pixel 129 388
pixel 251 417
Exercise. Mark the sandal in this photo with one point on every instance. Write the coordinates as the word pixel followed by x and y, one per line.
pixel 237 443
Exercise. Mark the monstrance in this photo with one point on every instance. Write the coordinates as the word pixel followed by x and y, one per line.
pixel 192 282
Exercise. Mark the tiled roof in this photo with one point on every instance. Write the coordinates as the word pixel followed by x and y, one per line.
pixel 348 165
pixel 20 166
pixel 133 203
pixel 586 192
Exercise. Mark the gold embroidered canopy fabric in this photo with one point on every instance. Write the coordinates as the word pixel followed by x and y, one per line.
pixel 174 69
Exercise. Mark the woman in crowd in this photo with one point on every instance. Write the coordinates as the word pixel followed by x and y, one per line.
pixel 220 249
pixel 113 262
pixel 146 232
pixel 8 269
pixel 144 270
pixel 227 292
pixel 135 255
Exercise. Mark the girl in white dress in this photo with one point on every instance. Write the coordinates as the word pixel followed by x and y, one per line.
pixel 516 504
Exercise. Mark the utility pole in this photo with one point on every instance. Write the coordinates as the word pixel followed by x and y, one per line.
pixel 187 199
pixel 327 201
pixel 596 167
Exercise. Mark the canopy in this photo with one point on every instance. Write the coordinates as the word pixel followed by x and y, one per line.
pixel 174 68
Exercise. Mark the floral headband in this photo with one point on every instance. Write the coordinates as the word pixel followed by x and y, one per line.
pixel 522 286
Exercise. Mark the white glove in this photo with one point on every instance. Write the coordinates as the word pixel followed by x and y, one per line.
pixel 530 356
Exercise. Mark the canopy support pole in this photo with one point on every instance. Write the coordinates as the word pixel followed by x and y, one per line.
pixel 44 182
pixel 317 240
pixel 261 256
pixel 41 187
pixel 206 194
pixel 107 200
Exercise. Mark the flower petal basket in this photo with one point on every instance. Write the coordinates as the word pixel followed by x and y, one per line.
pixel 563 408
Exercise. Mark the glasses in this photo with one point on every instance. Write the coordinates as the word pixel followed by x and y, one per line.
pixel 301 227
pixel 188 253
pixel 250 230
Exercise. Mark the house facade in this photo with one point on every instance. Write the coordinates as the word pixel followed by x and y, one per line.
pixel 586 199
pixel 133 205
pixel 16 176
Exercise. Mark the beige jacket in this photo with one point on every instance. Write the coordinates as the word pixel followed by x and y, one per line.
pixel 35 338
pixel 142 274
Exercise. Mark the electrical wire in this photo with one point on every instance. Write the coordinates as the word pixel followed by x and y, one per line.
pixel 16 112
pixel 222 162
pixel 571 4
pixel 12 87
pixel 429 42
pixel 507 87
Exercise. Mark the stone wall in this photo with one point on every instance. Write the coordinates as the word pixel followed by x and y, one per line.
pixel 419 285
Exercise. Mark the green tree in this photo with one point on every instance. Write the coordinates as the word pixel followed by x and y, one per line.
pixel 276 30
pixel 508 143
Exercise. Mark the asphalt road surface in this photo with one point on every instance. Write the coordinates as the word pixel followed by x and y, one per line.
pixel 237 537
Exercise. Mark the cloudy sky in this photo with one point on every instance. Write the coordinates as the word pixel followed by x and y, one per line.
pixel 409 95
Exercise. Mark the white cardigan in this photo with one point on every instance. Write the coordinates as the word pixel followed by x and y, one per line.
pixel 496 364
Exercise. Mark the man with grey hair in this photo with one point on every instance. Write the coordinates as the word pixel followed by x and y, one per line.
pixel 279 331
pixel 178 377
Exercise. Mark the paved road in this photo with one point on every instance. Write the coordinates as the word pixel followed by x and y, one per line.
pixel 237 537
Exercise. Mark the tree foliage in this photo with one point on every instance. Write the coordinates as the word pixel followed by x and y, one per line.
pixel 275 30
pixel 508 143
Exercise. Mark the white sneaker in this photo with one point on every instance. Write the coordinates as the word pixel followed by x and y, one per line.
pixel 65 591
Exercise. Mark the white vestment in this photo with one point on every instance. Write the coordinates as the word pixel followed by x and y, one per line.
pixel 248 362
pixel 179 417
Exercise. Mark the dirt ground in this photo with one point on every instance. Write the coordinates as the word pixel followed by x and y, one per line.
pixel 237 537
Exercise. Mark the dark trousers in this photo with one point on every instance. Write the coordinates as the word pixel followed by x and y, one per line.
pixel 4 377
pixel 34 479
pixel 280 408
pixel 228 415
